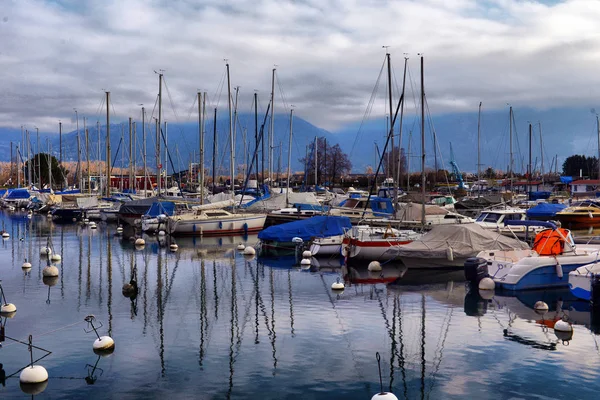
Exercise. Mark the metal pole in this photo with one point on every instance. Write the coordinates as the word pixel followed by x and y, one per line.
pixel 399 174
pixel 107 144
pixel 479 143
pixel 144 150
pixel 272 130
pixel 214 153
pixel 130 154
pixel 423 179
pixel 232 149
pixel 510 161
pixel 542 149
pixel 389 71
pixel 158 127
pixel 289 167
pixel 87 157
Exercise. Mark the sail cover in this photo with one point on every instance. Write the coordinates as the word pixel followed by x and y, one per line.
pixel 545 210
pixel 319 226
pixel 466 240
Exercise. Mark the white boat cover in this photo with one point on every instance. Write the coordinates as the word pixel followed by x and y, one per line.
pixel 277 201
pixel 465 240
pixel 216 205
pixel 412 211
pixel 87 202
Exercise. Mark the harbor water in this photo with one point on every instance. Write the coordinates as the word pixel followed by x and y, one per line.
pixel 211 323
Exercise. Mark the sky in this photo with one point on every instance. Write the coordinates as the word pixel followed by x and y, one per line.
pixel 61 55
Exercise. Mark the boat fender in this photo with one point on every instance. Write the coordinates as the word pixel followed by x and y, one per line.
pixel 245 228
pixel 450 254
pixel 220 224
pixel 591 215
pixel 559 270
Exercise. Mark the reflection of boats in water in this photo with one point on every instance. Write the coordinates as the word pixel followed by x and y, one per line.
pixel 361 275
pixel 561 305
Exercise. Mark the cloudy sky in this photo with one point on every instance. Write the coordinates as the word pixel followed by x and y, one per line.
pixel 56 55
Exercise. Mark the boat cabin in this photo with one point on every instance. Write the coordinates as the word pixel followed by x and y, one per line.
pixel 380 206
pixel 492 219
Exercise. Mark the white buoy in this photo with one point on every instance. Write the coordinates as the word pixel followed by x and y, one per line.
pixel 5 234
pixel 337 285
pixel 50 271
pixel 34 374
pixel 55 257
pixel 8 308
pixel 384 396
pixel 86 221
pixel 105 343
pixel 161 233
pixel 540 307
pixel 305 261
pixel 93 225
pixel 173 247
pixel 306 254
pixel 486 284
pixel 374 266
pixel 249 251
pixel 563 326
pixel 140 242
pixel 26 265
pixel 45 251
pixel 241 247
pixel 119 230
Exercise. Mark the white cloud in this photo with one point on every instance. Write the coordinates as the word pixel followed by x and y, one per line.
pixel 56 55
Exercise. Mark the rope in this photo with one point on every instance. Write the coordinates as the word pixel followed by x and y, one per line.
pixel 46 333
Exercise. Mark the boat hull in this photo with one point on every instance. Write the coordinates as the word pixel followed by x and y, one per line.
pixel 577 220
pixel 325 247
pixel 234 225
pixel 580 285
pixel 432 263
pixel 372 250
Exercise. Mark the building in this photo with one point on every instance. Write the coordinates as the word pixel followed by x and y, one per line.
pixel 585 188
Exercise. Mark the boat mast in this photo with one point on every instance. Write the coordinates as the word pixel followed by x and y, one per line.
pixel 59 142
pixel 166 155
pixel 479 143
pixel 49 165
pixel 316 169
pixel 37 145
pixel 134 157
pixel 214 152
pixel 107 144
pixel 144 150
pixel 529 169
pixel 231 147
pixel 399 174
pixel 201 147
pixel 158 127
pixel 542 149
pixel 423 180
pixel 598 127
pixel 272 130
pixel 391 133
pixel 87 157
pixel 130 155
pixel 510 161
pixel 289 167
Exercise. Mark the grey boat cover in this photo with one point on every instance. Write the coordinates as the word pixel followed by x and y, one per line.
pixel 466 240
pixel 412 211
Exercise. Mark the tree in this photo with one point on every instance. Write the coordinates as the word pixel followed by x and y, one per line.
pixel 332 162
pixel 489 173
pixel 40 163
pixel 576 164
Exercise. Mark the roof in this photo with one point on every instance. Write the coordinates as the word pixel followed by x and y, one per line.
pixel 586 182
pixel 521 183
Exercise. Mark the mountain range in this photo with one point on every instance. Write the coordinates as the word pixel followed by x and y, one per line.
pixel 565 132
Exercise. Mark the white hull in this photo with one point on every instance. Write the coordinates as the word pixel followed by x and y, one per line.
pixel 323 247
pixel 225 225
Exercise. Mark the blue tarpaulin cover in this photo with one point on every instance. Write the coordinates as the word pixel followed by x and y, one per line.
pixel 319 226
pixel 161 207
pixel 545 210
pixel 18 194
pixel 566 179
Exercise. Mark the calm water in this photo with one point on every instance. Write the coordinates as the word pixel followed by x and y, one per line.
pixel 210 324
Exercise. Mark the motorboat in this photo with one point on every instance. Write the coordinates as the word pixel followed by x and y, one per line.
pixel 546 265
pixel 449 246
pixel 544 211
pixel 358 209
pixel 580 216
pixel 583 280
pixel 288 237
pixel 364 242
pixel 494 219
pixel 157 216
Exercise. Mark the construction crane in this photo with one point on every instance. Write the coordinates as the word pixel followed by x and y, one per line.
pixel 456 170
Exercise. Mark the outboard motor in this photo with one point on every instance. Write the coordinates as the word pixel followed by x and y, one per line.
pixel 476 269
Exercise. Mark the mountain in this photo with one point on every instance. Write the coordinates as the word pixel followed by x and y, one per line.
pixel 565 132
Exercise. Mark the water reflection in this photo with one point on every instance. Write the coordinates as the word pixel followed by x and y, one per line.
pixel 231 327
